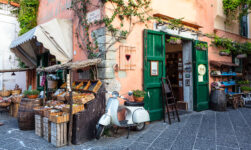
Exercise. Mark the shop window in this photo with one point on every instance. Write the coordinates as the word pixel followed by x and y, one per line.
pixel 127 57
pixel 244 26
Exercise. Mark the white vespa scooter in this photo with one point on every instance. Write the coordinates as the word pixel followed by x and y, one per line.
pixel 135 117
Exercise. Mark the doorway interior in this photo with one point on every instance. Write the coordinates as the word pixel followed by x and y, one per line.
pixel 178 60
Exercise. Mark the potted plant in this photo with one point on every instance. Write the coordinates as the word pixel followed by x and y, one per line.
pixel 31 94
pixel 201 46
pixel 138 95
pixel 225 52
pixel 174 40
pixel 245 89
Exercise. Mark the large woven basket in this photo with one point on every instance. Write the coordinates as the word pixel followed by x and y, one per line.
pixel 6 93
pixel 52 84
pixel 5 104
pixel 16 92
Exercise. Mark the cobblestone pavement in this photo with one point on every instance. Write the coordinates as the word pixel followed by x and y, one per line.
pixel 230 130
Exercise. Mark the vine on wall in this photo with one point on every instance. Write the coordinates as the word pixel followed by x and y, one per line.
pixel 26 14
pixel 133 11
pixel 236 9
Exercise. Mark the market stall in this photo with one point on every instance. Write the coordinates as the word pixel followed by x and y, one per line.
pixel 10 99
pixel 70 113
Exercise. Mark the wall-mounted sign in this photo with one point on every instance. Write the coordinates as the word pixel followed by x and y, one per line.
pixel 187 82
pixel 200 78
pixel 93 16
pixel 187 75
pixel 202 69
pixel 154 68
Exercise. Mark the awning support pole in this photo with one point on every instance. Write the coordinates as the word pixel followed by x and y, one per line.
pixel 71 115
pixel 44 91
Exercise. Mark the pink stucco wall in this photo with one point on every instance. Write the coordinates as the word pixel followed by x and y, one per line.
pixel 50 9
pixel 200 12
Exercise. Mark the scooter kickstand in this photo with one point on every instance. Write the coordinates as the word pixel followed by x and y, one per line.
pixel 128 132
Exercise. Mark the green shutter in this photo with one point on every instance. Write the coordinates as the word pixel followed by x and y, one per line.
pixel 154 50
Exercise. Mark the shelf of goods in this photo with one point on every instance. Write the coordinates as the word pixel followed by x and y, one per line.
pixel 224 79
pixel 88 105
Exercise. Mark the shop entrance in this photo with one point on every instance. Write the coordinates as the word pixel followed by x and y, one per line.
pixel 186 66
pixel 178 65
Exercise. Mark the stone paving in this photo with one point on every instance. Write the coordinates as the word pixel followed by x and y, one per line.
pixel 230 130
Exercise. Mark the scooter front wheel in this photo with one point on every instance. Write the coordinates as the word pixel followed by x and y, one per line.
pixel 140 126
pixel 100 130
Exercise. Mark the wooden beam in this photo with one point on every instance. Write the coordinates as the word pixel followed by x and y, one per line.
pixel 15 70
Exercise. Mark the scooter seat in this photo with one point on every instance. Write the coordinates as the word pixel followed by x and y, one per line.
pixel 127 103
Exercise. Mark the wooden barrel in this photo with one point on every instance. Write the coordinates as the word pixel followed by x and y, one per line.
pixel 26 115
pixel 218 100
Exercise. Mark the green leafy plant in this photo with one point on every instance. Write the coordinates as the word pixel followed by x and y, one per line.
pixel 31 92
pixel 201 46
pixel 132 12
pixel 243 82
pixel 229 46
pixel 139 93
pixel 174 40
pixel 236 9
pixel 245 88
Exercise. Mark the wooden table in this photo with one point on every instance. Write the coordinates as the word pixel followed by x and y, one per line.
pixel 236 100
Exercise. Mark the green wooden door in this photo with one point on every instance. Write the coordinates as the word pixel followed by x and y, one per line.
pixel 154 70
pixel 201 79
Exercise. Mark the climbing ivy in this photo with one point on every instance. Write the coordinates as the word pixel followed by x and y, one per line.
pixel 231 47
pixel 236 9
pixel 133 11
pixel 27 15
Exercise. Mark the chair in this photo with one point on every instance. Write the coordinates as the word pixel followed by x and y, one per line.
pixel 169 101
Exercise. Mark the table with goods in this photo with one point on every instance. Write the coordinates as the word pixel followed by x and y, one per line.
pixel 52 119
pixel 10 100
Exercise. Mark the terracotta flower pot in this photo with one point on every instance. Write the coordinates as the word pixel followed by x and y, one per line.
pixel 32 96
pixel 138 99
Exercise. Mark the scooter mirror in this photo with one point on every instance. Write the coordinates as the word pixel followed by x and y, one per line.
pixel 130 93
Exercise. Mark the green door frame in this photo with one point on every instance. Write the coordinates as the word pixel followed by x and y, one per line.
pixel 195 98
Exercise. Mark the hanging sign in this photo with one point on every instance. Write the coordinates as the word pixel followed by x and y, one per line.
pixel 154 68
pixel 201 71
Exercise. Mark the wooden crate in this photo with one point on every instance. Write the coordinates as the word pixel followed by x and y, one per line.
pixel 75 108
pixel 47 129
pixel 59 118
pixel 59 134
pixel 39 125
pixel 95 86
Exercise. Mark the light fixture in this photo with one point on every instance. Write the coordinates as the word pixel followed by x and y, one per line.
pixel 13 74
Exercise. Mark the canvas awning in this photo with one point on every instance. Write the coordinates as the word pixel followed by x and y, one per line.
pixel 71 65
pixel 222 63
pixel 55 35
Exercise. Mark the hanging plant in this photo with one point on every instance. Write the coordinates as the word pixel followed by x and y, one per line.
pixel 201 46
pixel 225 52
pixel 174 40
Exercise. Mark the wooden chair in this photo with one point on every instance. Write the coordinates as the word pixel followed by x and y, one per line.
pixel 169 101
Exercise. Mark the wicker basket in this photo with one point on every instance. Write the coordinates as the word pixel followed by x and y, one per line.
pixel 5 104
pixel 52 84
pixel 16 92
pixel 6 93
pixel 16 99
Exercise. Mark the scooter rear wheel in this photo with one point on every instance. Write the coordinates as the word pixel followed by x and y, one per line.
pixel 100 130
pixel 140 126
